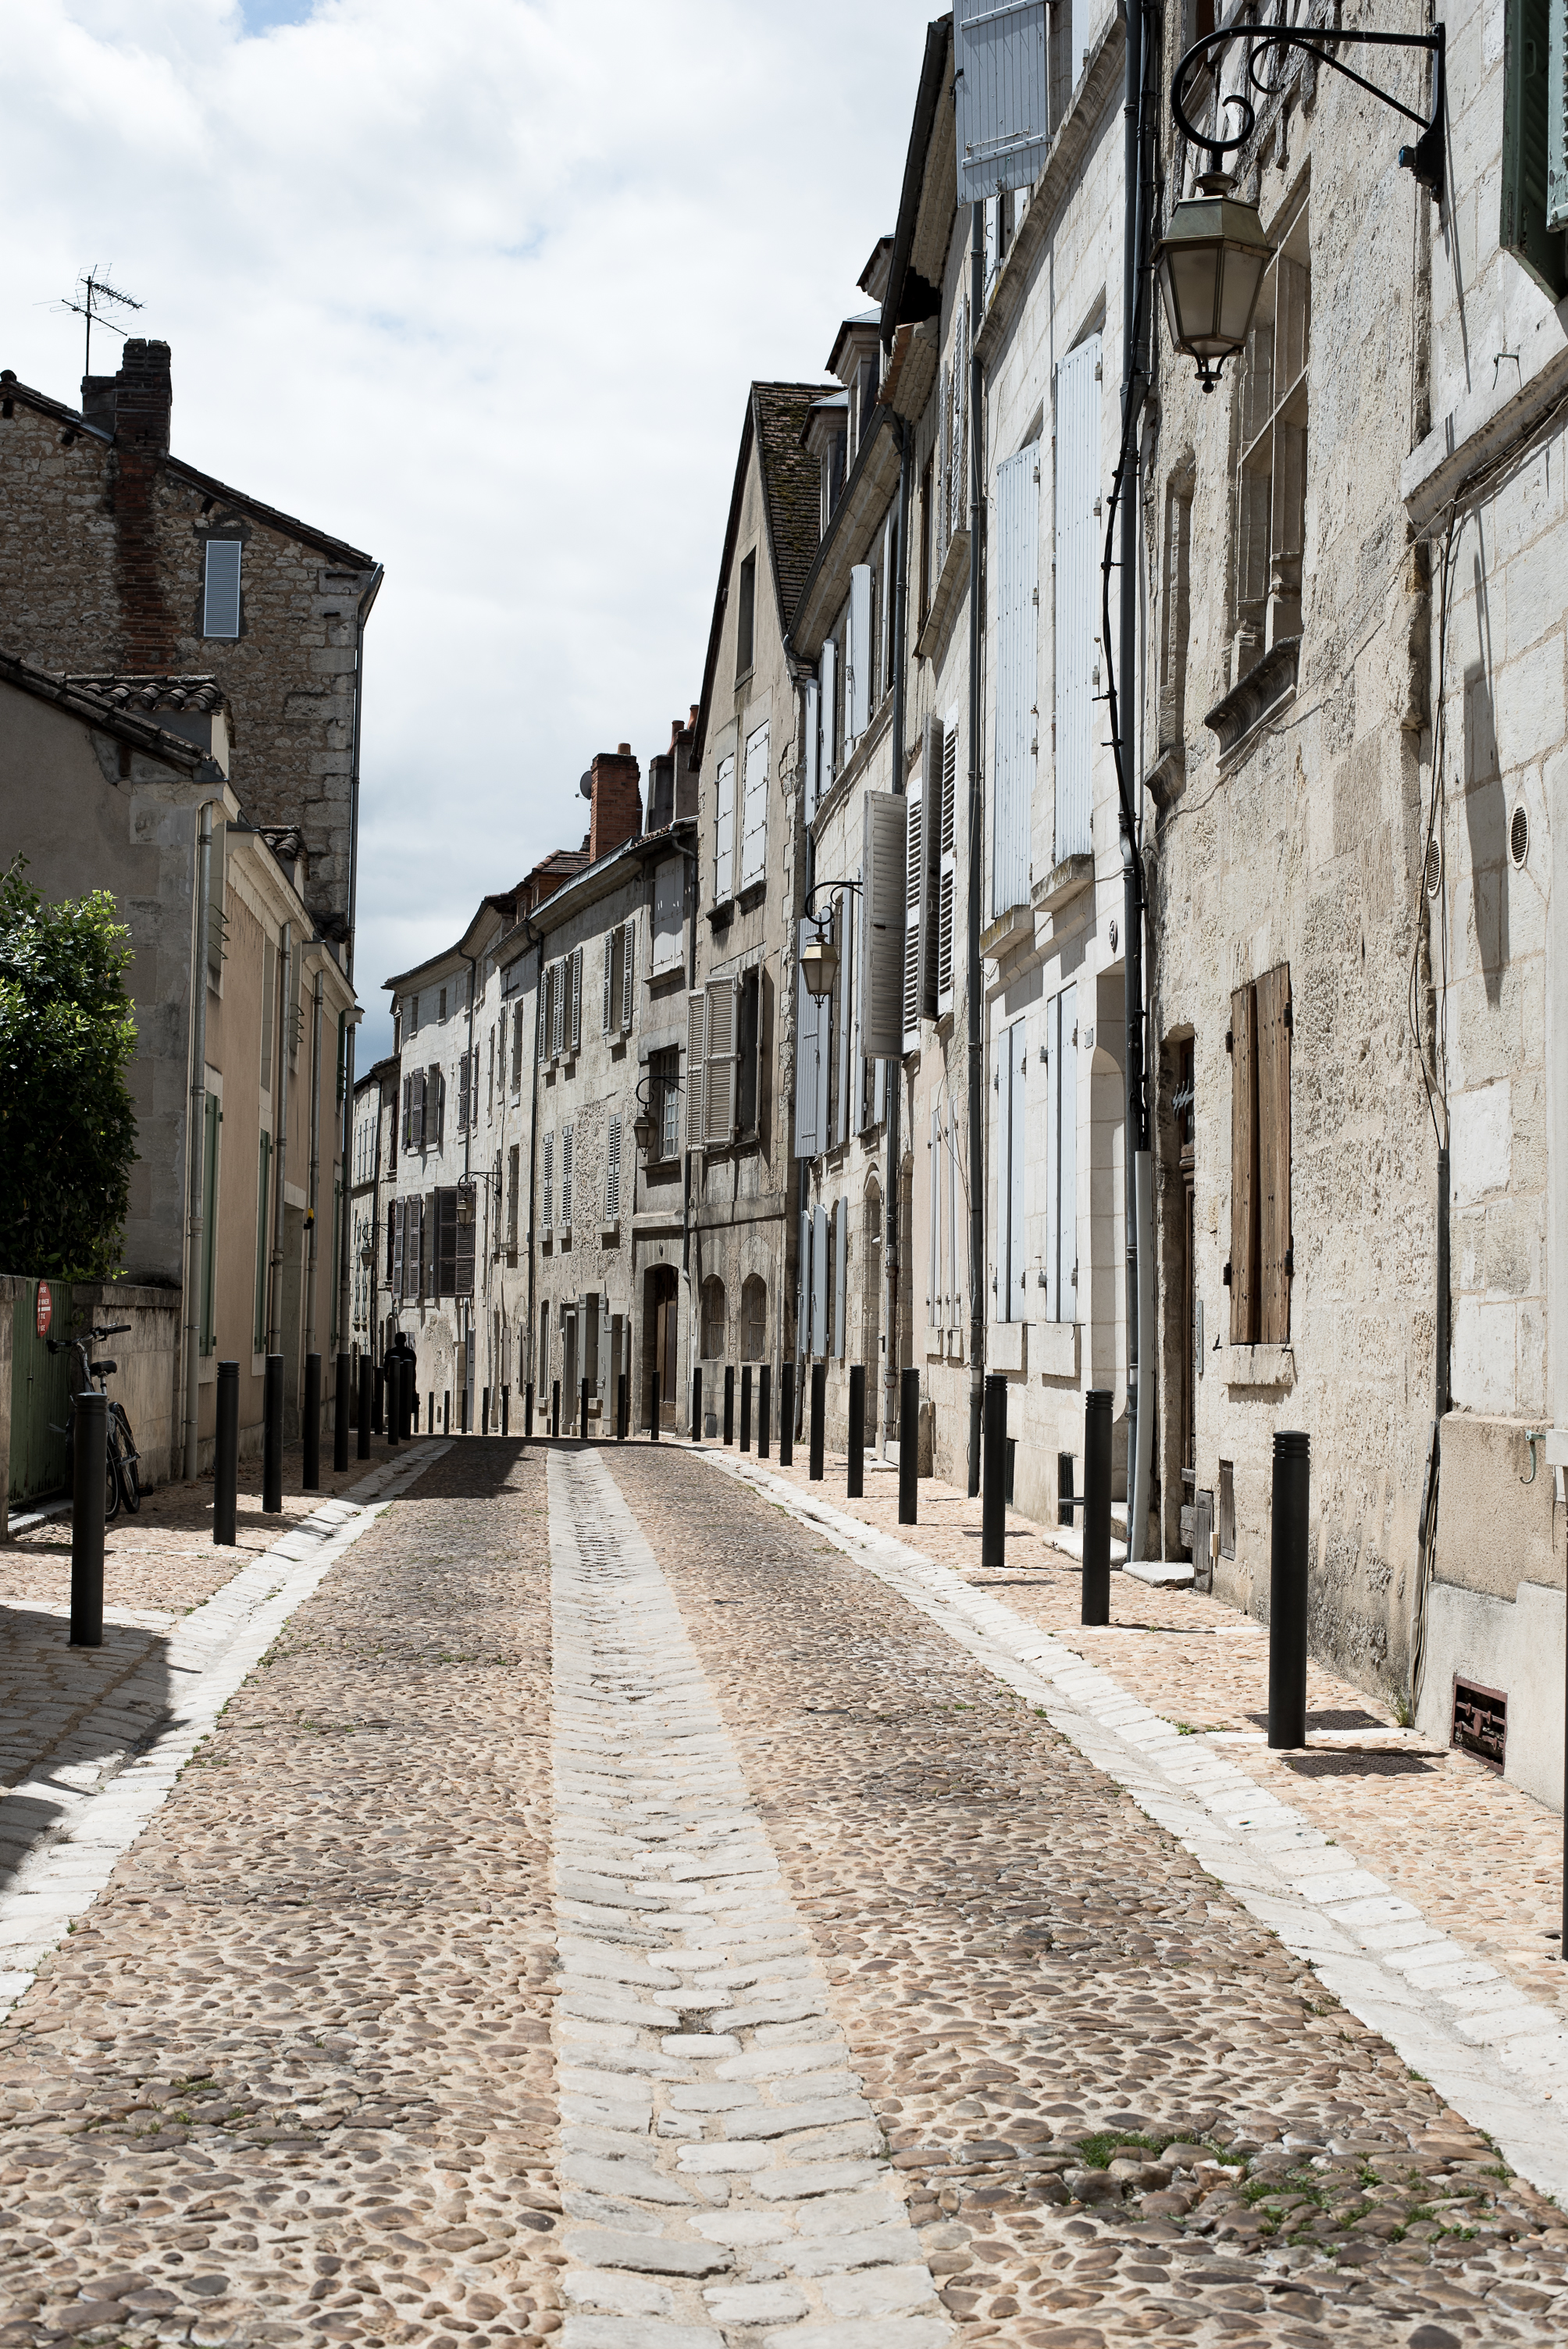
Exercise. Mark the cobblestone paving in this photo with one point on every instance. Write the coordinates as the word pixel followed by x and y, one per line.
pixel 290 2081
pixel 1121 2108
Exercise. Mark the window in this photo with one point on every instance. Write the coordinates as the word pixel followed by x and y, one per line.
pixel 712 1062
pixel 1271 472
pixel 1535 142
pixel 463 1094
pixel 441 1013
pixel 746 616
pixel 754 811
pixel 444 1243
pixel 748 1023
pixel 669 910
pixel 513 1167
pixel 1012 1292
pixel 1077 592
pixel 723 831
pixel 413 1015
pixel 516 1051
pixel 547 1184
pixel 1175 618
pixel 1018 572
pixel 713 1318
pixel 1227 1508
pixel 1261 1263
pixel 1061 1157
pixel 665 1100
pixel 754 1320
pixel 858 656
pixel 221 601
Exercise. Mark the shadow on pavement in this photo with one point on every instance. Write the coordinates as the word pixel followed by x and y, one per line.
pixel 65 1715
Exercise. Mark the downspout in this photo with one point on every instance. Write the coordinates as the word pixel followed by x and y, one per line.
pixel 345 1128
pixel 198 1140
pixel 469 1085
pixel 892 1193
pixel 536 948
pixel 976 1085
pixel 310 1329
pixel 280 1156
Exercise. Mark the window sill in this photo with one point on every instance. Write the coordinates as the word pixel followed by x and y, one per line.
pixel 1066 880
pixel 1267 685
pixel 609 1232
pixel 721 913
pixel 1259 1366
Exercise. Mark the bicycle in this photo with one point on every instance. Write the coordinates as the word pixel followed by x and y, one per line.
pixel 122 1479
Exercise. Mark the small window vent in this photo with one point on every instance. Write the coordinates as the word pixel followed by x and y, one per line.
pixel 1480 1721
pixel 1519 837
pixel 1433 879
pixel 1227 1508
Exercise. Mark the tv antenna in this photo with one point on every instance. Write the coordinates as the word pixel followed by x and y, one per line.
pixel 93 290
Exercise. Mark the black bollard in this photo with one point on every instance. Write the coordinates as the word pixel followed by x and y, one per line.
pixel 343 1384
pixel 787 1415
pixel 555 1410
pixel 378 1394
pixel 1097 1505
pixel 621 1408
pixel 528 1410
pixel 994 1487
pixel 366 1389
pixel 697 1406
pixel 463 1408
pixel 445 1410
pixel 506 1411
pixel 90 1469
pixel 226 1456
pixel 855 1484
pixel 1288 1588
pixel 819 1419
pixel 764 1403
pixel 583 1413
pixel 310 1475
pixel 729 1402
pixel 654 1415
pixel 908 1447
pixel 272 1436
pixel 746 1408
pixel 484 1412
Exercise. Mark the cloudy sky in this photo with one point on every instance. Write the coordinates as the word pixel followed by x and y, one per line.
pixel 476 285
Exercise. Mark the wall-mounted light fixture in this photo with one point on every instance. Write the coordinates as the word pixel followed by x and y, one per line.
pixel 820 955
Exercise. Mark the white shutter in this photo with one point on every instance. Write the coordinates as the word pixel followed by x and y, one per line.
pixel 943 485
pixel 807 1125
pixel 1018 1161
pixel 933 1298
pixel 858 1068
pixel 828 758
pixel 1061 1157
pixel 1001 112
pixel 959 472
pixel 914 955
pixel 613 1174
pixel 1077 596
pixel 841 1274
pixel 566 1156
pixel 1013 767
pixel 463 1094
pixel 628 964
pixel 858 670
pixel 696 1073
pixel 803 1286
pixel 812 722
pixel 883 926
pixel 955 1258
pixel 609 978
pixel 844 987
pixel 818 1280
pixel 669 912
pixel 557 1008
pixel 754 811
pixel 724 834
pixel 547 1184
pixel 399 1224
pixel 721 1063
pixel 881 1109
pixel 576 998
pixel 220 602
pixel 946 736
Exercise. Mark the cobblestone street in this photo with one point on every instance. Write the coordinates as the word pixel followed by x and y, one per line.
pixel 608 1905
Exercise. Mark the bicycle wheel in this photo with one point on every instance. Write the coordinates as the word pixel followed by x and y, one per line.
pixel 110 1474
pixel 126 1458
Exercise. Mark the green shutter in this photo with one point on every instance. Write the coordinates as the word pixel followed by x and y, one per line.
pixel 1527 110
pixel 264 1188
pixel 210 1226
pixel 1557 118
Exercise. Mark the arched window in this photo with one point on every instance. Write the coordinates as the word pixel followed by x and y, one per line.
pixel 754 1320
pixel 712 1318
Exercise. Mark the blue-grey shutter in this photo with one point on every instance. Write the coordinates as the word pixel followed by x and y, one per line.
pixel 858 677
pixel 754 811
pixel 1018 615
pixel 803 1286
pixel 1557 117
pixel 828 756
pixel 1078 599
pixel 1533 104
pixel 812 723
pixel 915 955
pixel 946 737
pixel 818 1280
pixel 1001 109
pixel 809 1140
pixel 883 926
pixel 844 927
pixel 1061 1157
pixel 841 1276
pixel 1018 1298
pixel 221 604
pixel 724 832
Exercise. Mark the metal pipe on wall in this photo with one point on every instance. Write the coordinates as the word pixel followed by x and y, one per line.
pixel 892 1187
pixel 197 1135
pixel 977 1083
pixel 346 1122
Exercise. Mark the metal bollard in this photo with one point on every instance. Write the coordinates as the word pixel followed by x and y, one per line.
pixel 1097 1505
pixel 1288 1588
pixel 272 1436
pixel 622 1406
pixel 445 1410
pixel 528 1410
pixel 89 1458
pixel 908 1447
pixel 855 1484
pixel 366 1389
pixel 377 1394
pixel 583 1413
pixel 993 1504
pixel 555 1410
pixel 819 1419
pixel 226 1456
pixel 654 1415
pixel 729 1402
pixel 746 1408
pixel 463 1408
pixel 484 1412
pixel 310 1474
pixel 787 1414
pixel 764 1403
pixel 506 1411
pixel 340 1414
pixel 697 1406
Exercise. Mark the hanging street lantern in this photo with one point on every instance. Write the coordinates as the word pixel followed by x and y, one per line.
pixel 643 1129
pixel 820 964
pixel 1210 262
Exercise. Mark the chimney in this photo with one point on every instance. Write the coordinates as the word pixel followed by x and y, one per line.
pixel 661 792
pixel 682 739
pixel 143 395
pixel 97 402
pixel 617 808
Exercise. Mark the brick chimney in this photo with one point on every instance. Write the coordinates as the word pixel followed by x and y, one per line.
pixel 617 807
pixel 143 396
pixel 141 399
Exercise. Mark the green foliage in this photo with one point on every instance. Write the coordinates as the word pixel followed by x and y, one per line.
pixel 68 1134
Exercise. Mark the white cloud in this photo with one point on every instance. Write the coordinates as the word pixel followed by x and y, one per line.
pixel 478 287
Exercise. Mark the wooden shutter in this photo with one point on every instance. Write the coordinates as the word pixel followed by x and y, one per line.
pixel 945 745
pixel 513 1184
pixel 1078 595
pixel 1015 1299
pixel 1017 619
pixel 407 1133
pixel 447 1242
pixel 420 1237
pixel 628 962
pixel 933 1186
pixel 613 1174
pixel 724 832
pixel 697 1068
pixel 818 1280
pixel 1001 112
pixel 221 601
pixel 399 1245
pixel 1557 118
pixel 1533 108
pixel 843 989
pixel 547 1184
pixel 566 1157
pixel 955 1256
pixel 827 762
pixel 810 1057
pixel 466 1234
pixel 754 811
pixel 858 661
pixel 390 1274
pixel 721 1065
pixel 1243 1169
pixel 1061 1157
pixel 812 720
pixel 841 1276
pixel 576 998
pixel 913 906
pixel 883 926
pixel 463 1094
pixel 557 1008
pixel 609 979
pixel 1272 997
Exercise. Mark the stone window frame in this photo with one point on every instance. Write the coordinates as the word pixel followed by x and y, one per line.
pixel 1271 422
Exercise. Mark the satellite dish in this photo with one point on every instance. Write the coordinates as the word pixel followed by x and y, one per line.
pixel 587 785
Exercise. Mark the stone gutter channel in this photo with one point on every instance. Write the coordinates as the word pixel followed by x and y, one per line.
pixel 722 2174
pixel 153 1718
pixel 1499 2058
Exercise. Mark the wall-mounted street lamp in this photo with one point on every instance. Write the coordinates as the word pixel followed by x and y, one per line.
pixel 1212 256
pixel 820 955
pixel 643 1123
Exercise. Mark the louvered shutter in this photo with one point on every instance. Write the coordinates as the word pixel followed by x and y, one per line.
pixel 933 1296
pixel 843 988
pixel 557 1008
pixel 1273 998
pixel 721 1064
pixel 826 764
pixel 945 741
pixel 613 1174
pixel 1243 1168
pixel 724 832
pixel 914 896
pixel 841 1276
pixel 813 747
pixel 547 1184
pixel 1077 597
pixel 1061 1157
pixel 419 1236
pixel 1533 108
pixel 463 1094
pixel 609 980
pixel 628 966
pixel 399 1228
pixel 943 486
pixel 220 602
pixel 464 1235
pixel 447 1242
pixel 810 1126
pixel 408 1133
pixel 803 1286
pixel 883 926
pixel 818 1280
pixel 1013 767
pixel 576 998
pixel 956 1255
pixel 858 1069
pixel 566 1157
pixel 696 1068
pixel 858 668
pixel 754 811
pixel 957 483
pixel 1001 107
pixel 1017 1292
pixel 1557 117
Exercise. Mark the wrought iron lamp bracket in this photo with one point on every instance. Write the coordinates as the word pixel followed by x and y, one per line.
pixel 851 888
pixel 1425 158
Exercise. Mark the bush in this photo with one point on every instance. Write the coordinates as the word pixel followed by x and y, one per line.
pixel 67 1132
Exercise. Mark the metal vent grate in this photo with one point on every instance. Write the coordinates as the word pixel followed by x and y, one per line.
pixel 1519 837
pixel 1434 872
pixel 1480 1721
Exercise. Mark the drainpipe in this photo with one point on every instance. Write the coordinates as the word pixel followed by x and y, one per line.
pixel 536 946
pixel 469 1082
pixel 315 1201
pixel 892 1226
pixel 280 1154
pixel 198 1137
pixel 976 1087
pixel 346 1124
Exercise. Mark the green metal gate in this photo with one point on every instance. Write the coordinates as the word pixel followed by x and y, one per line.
pixel 40 1392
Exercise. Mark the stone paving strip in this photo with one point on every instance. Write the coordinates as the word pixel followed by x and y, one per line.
pixel 727 2179
pixel 139 1715
pixel 1499 2059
